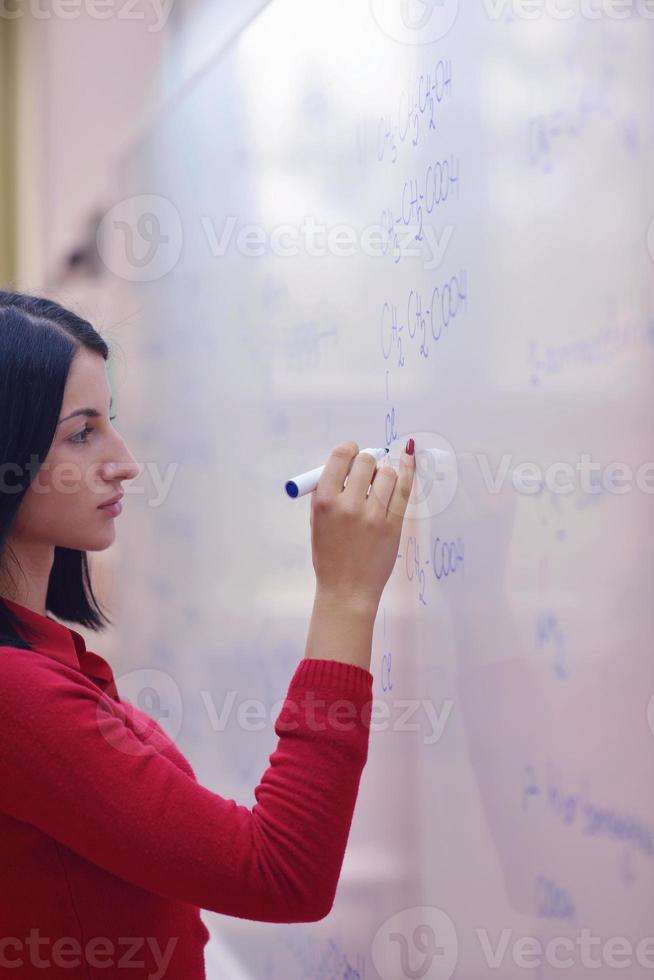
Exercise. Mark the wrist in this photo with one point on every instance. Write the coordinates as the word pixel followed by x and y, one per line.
pixel 351 604
pixel 341 628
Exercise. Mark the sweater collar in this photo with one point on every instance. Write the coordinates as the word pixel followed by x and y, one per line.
pixel 65 645
pixel 54 639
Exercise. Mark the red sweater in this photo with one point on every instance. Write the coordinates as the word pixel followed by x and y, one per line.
pixel 109 846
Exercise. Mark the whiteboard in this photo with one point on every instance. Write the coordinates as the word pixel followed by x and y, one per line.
pixel 441 228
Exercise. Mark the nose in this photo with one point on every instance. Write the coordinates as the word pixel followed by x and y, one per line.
pixel 122 466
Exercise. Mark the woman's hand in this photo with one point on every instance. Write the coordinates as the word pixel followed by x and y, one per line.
pixel 355 530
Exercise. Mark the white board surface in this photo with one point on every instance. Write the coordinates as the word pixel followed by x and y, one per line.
pixel 506 310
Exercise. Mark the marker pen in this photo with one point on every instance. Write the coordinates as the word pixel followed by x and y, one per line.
pixel 307 482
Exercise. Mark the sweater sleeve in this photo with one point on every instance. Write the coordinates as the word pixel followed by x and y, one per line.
pixel 73 768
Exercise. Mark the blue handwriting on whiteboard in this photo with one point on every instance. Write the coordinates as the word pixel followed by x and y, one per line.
pixel 413 109
pixel 552 902
pixel 446 560
pixel 577 810
pixel 446 303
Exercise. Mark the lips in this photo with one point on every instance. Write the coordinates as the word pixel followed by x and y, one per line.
pixel 112 500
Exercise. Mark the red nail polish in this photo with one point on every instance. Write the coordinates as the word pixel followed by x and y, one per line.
pixel 410 446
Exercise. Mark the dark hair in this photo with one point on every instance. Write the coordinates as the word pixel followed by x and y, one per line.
pixel 38 341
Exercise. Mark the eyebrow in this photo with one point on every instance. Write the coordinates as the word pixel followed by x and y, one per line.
pixel 90 413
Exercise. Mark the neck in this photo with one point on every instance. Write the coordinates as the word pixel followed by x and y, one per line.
pixel 28 582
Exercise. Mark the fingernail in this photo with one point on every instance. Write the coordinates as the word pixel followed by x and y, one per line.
pixel 410 447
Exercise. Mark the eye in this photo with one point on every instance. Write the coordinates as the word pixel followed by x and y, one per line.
pixel 77 441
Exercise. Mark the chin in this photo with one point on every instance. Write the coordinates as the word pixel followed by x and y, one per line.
pixel 96 542
pixel 107 540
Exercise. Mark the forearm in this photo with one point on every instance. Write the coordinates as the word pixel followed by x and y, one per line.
pixel 341 629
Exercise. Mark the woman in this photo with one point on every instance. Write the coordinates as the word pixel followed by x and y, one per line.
pixel 109 847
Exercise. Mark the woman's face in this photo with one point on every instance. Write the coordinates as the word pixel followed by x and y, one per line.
pixel 86 464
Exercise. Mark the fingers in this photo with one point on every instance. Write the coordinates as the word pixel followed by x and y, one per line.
pixel 389 491
pixel 359 477
pixel 336 469
pixel 381 490
pixel 402 490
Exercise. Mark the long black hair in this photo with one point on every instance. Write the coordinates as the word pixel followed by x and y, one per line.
pixel 38 341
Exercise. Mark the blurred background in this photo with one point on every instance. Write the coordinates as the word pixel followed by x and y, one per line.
pixel 79 86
